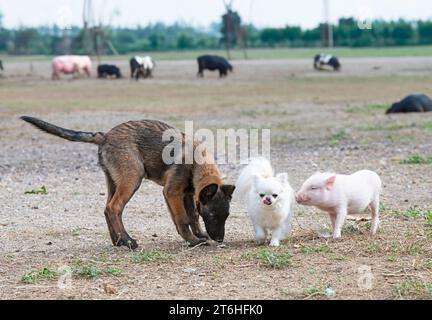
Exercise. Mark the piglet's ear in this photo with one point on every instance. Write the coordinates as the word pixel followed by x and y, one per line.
pixel 208 192
pixel 330 182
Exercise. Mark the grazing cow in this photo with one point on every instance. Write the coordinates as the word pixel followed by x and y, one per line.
pixel 322 60
pixel 142 67
pixel 412 103
pixel 108 70
pixel 213 63
pixel 1 65
pixel 70 65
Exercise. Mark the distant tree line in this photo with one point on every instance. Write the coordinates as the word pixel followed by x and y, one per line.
pixel 161 37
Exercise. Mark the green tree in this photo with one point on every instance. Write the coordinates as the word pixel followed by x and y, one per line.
pixel 403 33
pixel 184 41
pixel 425 32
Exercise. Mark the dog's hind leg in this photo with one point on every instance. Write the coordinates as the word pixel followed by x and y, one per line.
pixel 124 174
pixel 111 188
pixel 125 189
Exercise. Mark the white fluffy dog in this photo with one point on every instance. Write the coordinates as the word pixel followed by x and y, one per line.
pixel 270 200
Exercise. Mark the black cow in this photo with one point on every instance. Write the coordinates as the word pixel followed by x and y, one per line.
pixel 213 63
pixel 1 65
pixel 322 59
pixel 142 67
pixel 412 103
pixel 108 70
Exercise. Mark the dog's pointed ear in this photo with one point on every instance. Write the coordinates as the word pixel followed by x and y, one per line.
pixel 228 189
pixel 256 179
pixel 208 192
pixel 282 177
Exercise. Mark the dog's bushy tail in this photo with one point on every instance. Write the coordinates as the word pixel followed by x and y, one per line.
pixel 256 167
pixel 89 137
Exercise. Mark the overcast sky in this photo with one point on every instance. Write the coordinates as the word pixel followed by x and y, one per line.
pixel 306 13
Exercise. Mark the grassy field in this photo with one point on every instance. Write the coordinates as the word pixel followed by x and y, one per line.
pixel 53 193
pixel 264 54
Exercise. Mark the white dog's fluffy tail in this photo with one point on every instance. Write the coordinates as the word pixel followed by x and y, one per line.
pixel 257 166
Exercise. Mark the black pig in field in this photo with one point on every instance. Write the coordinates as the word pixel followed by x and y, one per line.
pixel 213 63
pixel 412 103
pixel 107 70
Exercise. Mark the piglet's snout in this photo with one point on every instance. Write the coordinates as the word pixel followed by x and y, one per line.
pixel 299 198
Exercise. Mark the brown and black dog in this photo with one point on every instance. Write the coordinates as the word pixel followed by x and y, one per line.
pixel 132 151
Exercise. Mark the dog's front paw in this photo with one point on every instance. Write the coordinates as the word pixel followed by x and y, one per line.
pixel 197 241
pixel 274 243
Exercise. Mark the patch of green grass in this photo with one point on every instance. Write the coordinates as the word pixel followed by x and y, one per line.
pixel 391 127
pixel 354 228
pixel 426 125
pixel 415 249
pixel 318 249
pixel 414 213
pixel 86 270
pixel 35 276
pixel 89 270
pixel 76 232
pixel 313 292
pixel 266 53
pixel 249 113
pixel 150 256
pixel 273 259
pixel 41 190
pixel 412 287
pixel 417 159
pixel 429 218
pixel 417 213
pixel 392 257
pixel 367 109
pixel 116 272
pixel 338 137
pixel 339 257
pixel 373 248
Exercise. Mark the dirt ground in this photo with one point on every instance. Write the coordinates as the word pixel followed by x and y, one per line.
pixel 318 120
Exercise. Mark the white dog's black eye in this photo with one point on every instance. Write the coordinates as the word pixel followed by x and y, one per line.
pixel 262 195
pixel 274 195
